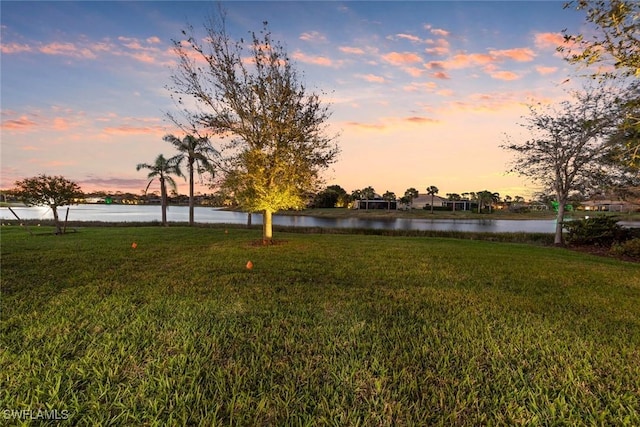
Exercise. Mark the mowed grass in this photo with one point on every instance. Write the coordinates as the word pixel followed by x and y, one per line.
pixel 336 330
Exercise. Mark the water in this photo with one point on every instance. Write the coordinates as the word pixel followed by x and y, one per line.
pixel 146 213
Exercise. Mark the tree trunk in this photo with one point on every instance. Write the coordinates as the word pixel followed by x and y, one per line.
pixel 163 201
pixel 432 203
pixel 267 227
pixel 558 239
pixel 191 201
pixel 54 209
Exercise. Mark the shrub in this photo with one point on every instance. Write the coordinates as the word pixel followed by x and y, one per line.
pixel 599 231
pixel 630 248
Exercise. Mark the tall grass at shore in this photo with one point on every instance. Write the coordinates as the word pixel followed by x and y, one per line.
pixel 326 329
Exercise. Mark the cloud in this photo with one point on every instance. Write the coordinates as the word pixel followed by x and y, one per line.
pixel 60 124
pixel 351 50
pixel 313 36
pixel 439 32
pixel 420 87
pixel 504 75
pixel 22 123
pixel 441 75
pixel 548 40
pixel 546 70
pixel 129 129
pixel 372 78
pixel 11 48
pixel 401 58
pixel 409 37
pixel 67 49
pixel 315 60
pixel 520 54
pixel 440 47
pixel 421 120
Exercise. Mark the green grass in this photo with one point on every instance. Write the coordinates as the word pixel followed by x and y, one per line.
pixel 327 329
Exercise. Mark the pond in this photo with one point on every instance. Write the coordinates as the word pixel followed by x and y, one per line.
pixel 146 213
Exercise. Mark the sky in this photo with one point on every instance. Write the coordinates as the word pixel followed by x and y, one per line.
pixel 421 93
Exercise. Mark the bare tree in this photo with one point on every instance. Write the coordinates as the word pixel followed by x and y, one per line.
pixel 276 129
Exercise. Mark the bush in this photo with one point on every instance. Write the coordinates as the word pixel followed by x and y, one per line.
pixel 599 231
pixel 630 248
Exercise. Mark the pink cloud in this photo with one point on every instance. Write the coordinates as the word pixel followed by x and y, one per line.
pixel 14 48
pixel 316 60
pixel 313 36
pixel 548 40
pixel 439 32
pixel 153 40
pixel 421 120
pixel 29 148
pixel 504 75
pixel 463 60
pixel 372 78
pixel 351 50
pixel 546 70
pixel 400 58
pixel 519 54
pixel 409 37
pixel 20 124
pixel 60 124
pixel 441 75
pixel 67 49
pixel 418 87
pixel 440 47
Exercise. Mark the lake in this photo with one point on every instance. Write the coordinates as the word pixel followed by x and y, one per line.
pixel 146 213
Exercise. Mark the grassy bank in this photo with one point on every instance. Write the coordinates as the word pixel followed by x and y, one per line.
pixel 324 330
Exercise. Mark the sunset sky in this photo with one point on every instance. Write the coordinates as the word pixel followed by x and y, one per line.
pixel 422 93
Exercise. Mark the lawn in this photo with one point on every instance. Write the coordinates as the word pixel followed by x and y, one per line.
pixel 326 329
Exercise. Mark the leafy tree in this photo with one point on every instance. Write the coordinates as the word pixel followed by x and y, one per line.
pixel 411 194
pixel 453 197
pixel 616 40
pixel 432 190
pixel 614 43
pixel 343 198
pixel 277 129
pixel 162 169
pixel 327 198
pixel 45 190
pixel 567 150
pixel 198 152
pixel 389 196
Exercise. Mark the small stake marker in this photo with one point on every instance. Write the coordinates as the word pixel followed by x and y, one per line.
pixel 249 265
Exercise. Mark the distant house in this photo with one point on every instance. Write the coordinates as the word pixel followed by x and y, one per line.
pixel 423 201
pixel 609 206
pixel 375 204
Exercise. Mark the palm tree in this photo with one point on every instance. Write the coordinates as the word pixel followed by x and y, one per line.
pixel 389 196
pixel 163 169
pixel 432 190
pixel 411 194
pixel 198 152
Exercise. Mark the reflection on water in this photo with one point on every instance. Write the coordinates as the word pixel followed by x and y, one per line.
pixel 140 213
